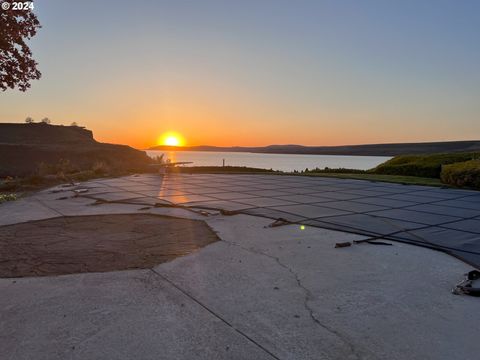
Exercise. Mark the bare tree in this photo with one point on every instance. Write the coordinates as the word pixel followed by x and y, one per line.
pixel 29 120
pixel 46 120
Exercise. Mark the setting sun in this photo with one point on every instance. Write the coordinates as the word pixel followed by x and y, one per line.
pixel 171 139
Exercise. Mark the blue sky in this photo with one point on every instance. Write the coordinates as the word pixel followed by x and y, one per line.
pixel 258 72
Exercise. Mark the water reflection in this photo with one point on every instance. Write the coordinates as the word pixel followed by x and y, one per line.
pixel 283 162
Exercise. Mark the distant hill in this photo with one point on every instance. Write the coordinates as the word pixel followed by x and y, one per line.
pixel 23 147
pixel 364 150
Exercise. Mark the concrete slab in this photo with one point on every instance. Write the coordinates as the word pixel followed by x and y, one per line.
pixel 86 207
pixel 25 210
pixel 66 206
pixel 261 293
pixel 318 302
pixel 116 196
pixel 118 315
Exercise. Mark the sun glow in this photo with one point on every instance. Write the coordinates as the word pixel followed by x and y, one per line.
pixel 171 139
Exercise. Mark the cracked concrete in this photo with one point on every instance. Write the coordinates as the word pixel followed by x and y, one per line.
pixel 260 293
pixel 307 298
pixel 377 302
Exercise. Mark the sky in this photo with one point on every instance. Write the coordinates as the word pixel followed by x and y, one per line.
pixel 257 72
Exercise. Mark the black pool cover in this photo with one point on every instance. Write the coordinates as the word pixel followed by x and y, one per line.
pixel 442 219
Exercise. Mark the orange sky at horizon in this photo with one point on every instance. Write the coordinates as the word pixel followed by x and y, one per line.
pixel 221 116
pixel 210 132
pixel 232 121
pixel 202 122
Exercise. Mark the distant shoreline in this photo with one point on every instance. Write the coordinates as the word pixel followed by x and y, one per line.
pixel 257 152
pixel 350 150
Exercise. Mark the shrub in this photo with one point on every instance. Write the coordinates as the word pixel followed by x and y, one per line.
pixel 63 166
pixel 100 168
pixel 159 159
pixel 462 174
pixel 34 180
pixel 7 197
pixel 421 165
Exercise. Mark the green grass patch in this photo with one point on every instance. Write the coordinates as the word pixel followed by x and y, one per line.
pixel 422 165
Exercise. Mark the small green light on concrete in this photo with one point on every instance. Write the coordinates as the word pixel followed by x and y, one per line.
pixel 302 227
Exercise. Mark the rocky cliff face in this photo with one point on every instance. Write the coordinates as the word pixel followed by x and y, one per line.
pixel 24 147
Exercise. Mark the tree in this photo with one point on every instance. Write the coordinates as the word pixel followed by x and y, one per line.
pixel 46 120
pixel 17 67
pixel 74 124
pixel 29 120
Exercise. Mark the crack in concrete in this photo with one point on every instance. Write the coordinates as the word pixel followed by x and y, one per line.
pixel 191 297
pixel 42 203
pixel 307 298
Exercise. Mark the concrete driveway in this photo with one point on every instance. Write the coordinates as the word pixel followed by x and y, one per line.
pixel 258 293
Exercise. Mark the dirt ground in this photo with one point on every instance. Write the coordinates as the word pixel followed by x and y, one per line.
pixel 97 243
